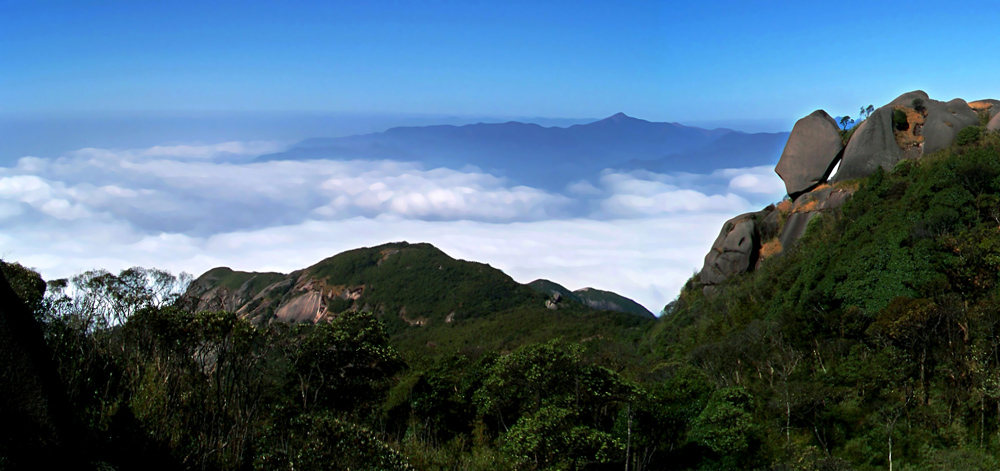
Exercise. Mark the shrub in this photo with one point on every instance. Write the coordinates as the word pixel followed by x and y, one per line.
pixel 969 135
pixel 918 105
pixel 899 120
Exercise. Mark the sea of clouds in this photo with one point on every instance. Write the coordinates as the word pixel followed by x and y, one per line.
pixel 194 207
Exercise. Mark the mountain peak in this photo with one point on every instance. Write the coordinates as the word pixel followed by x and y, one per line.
pixel 619 116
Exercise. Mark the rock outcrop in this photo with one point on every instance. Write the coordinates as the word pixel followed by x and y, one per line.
pixel 814 147
pixel 873 145
pixel 807 208
pixel 560 297
pixel 909 127
pixel 735 251
pixel 944 121
pixel 747 240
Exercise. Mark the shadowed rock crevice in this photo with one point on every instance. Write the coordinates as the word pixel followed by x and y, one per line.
pixel 37 426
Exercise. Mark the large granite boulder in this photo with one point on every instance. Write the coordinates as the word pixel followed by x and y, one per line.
pixel 873 145
pixel 930 129
pixel 734 251
pixel 943 122
pixel 814 147
pixel 907 98
pixel 994 124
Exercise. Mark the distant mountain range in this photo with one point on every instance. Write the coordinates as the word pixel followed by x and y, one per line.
pixel 551 157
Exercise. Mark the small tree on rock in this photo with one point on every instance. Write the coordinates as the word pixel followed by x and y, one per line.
pixel 845 121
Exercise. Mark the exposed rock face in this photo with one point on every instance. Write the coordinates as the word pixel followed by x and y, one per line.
pixel 748 239
pixel 922 126
pixel 770 224
pixel 307 307
pixel 734 251
pixel 825 197
pixel 876 144
pixel 553 302
pixel 795 228
pixel 873 145
pixel 907 98
pixel 994 124
pixel 807 208
pixel 944 121
pixel 813 149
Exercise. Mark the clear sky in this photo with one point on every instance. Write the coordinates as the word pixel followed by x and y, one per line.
pixel 659 60
pixel 129 129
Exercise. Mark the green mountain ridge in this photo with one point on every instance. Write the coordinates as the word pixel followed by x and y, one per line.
pixel 428 301
pixel 592 297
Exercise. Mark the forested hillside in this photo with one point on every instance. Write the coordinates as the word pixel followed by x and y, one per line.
pixel 873 341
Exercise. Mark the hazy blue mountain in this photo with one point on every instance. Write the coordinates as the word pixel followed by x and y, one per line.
pixel 550 157
pixel 50 136
pixel 733 150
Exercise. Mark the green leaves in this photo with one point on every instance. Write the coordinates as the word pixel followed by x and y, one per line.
pixel 551 438
pixel 322 441
pixel 726 425
pixel 555 410
pixel 344 364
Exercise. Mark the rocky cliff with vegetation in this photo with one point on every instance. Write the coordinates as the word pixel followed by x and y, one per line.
pixel 407 285
pixel 426 299
pixel 856 322
pixel 822 163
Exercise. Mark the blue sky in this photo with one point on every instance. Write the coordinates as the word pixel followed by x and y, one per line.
pixel 125 124
pixel 676 61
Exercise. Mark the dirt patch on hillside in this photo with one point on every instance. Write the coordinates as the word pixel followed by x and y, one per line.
pixel 912 136
pixel 980 105
pixel 770 249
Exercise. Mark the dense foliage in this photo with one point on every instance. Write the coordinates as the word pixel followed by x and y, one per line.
pixel 875 340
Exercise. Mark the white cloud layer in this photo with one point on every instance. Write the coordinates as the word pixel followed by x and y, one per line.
pixel 190 208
